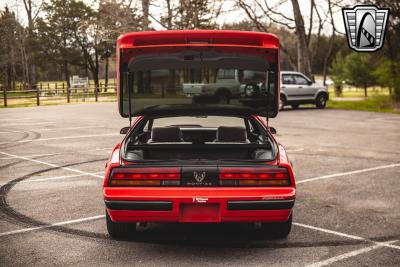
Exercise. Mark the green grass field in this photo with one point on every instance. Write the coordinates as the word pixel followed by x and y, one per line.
pixel 380 103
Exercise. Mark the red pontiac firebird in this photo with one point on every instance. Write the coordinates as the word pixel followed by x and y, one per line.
pixel 198 148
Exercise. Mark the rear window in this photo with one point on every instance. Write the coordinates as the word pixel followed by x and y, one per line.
pixel 199 77
pixel 226 74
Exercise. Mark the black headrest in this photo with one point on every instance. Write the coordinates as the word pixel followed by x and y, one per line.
pixel 231 134
pixel 166 134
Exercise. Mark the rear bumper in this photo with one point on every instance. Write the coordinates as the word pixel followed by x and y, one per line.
pixel 199 204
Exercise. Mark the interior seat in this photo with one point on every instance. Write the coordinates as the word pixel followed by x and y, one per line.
pixel 263 154
pixel 170 134
pixel 231 134
pixel 134 155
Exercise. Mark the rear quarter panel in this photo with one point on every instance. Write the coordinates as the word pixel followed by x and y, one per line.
pixel 113 161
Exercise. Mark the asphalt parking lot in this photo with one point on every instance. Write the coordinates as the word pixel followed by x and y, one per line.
pixel 347 212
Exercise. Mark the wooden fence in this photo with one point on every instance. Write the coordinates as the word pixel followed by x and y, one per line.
pixel 56 94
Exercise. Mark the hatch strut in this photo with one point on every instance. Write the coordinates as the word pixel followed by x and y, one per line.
pixel 268 92
pixel 128 84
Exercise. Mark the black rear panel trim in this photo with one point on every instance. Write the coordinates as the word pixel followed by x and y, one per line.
pixel 261 205
pixel 138 205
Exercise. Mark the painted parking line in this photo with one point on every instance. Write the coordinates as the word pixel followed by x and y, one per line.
pixel 61 153
pixel 348 173
pixel 28 123
pixel 52 165
pixel 54 129
pixel 67 128
pixel 30 229
pixel 17 119
pixel 52 178
pixel 294 150
pixel 8 132
pixel 348 255
pixel 328 231
pixel 61 138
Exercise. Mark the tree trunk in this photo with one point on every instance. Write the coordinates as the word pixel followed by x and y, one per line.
pixel 13 63
pixel 96 71
pixel 365 89
pixel 303 62
pixel 9 78
pixel 326 60
pixel 169 19
pixel 145 8
pixel 96 80
pixel 331 43
pixel 9 67
pixel 291 60
pixel 66 74
pixel 106 75
pixel 31 70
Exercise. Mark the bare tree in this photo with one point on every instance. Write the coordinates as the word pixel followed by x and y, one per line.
pixel 303 52
pixel 145 9
pixel 328 54
pixel 263 15
pixel 262 26
pixel 32 9
pixel 168 19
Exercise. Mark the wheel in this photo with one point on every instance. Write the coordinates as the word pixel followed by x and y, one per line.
pixel 120 230
pixel 320 102
pixel 295 106
pixel 252 90
pixel 223 98
pixel 277 230
pixel 282 103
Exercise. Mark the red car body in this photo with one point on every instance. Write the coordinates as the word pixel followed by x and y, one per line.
pixel 272 204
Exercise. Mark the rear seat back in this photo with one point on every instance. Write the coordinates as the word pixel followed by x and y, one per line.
pixel 166 135
pixel 233 134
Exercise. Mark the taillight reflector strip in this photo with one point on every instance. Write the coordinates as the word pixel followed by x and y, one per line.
pixel 147 173
pixel 136 182
pixel 252 173
pixel 251 182
pixel 145 177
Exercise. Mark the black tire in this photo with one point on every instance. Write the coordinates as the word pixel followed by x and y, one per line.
pixel 277 230
pixel 120 230
pixel 282 102
pixel 223 98
pixel 320 102
pixel 295 106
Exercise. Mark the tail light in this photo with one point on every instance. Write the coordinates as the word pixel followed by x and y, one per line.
pixel 254 177
pixel 145 177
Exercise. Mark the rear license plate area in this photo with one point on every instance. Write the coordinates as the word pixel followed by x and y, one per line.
pixel 199 212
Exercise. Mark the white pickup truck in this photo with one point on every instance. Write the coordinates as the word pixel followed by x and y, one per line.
pixel 226 86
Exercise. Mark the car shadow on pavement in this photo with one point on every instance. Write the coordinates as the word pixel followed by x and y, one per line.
pixel 225 235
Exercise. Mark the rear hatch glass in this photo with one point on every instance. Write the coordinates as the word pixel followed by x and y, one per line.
pixel 199 76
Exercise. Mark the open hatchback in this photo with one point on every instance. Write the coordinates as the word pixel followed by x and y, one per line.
pixel 198 150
